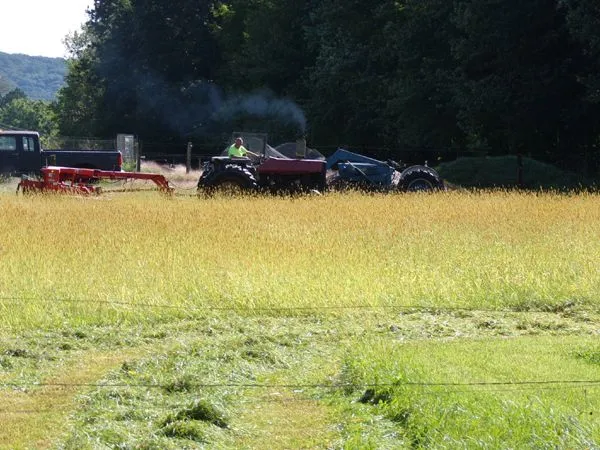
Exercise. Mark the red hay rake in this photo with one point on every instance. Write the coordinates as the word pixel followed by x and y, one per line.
pixel 72 180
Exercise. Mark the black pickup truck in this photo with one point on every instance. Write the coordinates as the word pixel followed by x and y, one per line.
pixel 21 153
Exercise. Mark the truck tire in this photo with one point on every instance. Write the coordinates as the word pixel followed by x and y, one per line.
pixel 420 178
pixel 232 180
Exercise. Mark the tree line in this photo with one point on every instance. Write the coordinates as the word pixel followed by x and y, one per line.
pixel 498 76
pixel 20 112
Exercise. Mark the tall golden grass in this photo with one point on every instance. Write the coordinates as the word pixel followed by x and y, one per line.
pixel 62 257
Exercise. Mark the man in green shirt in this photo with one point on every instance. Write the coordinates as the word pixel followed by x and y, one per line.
pixel 237 149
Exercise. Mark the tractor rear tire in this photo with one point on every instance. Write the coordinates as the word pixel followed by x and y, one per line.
pixel 232 180
pixel 420 178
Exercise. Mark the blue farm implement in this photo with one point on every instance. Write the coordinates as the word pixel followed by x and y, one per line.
pixel 352 169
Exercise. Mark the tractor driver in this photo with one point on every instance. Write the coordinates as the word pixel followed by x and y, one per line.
pixel 237 149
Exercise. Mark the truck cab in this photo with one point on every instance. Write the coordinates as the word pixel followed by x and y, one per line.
pixel 20 152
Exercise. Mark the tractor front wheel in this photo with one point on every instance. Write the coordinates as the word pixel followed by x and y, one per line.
pixel 420 178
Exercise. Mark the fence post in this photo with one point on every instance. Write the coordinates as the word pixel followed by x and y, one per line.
pixel 138 156
pixel 520 170
pixel 188 159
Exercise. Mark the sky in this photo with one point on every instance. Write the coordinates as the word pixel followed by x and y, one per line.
pixel 38 27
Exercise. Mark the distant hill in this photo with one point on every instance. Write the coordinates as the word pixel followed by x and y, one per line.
pixel 39 77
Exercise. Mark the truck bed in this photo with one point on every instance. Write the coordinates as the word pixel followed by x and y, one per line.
pixel 88 159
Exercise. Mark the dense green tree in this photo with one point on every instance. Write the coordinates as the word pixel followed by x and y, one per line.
pixel 272 53
pixel 157 61
pixel 421 112
pixel 384 75
pixel 10 96
pixel 348 82
pixel 21 113
pixel 78 102
pixel 583 19
pixel 265 61
pixel 142 66
pixel 584 22
pixel 517 82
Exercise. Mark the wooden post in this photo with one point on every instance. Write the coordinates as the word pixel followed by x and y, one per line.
pixel 520 170
pixel 188 159
pixel 138 156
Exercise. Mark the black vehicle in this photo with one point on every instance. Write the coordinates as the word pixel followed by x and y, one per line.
pixel 21 153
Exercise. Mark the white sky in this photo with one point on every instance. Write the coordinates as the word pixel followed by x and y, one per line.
pixel 38 27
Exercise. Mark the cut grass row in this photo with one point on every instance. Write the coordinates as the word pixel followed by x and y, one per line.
pixel 312 381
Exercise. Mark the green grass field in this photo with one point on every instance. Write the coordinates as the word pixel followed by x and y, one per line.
pixel 453 320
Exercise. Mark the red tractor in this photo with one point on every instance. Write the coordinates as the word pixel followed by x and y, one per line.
pixel 268 171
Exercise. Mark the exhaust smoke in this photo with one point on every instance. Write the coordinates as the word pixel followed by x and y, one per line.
pixel 197 108
pixel 263 104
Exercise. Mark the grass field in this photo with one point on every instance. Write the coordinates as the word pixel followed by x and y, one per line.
pixel 454 320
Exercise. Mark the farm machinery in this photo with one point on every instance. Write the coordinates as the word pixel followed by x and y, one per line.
pixel 288 168
pixel 358 170
pixel 267 170
pixel 72 180
pixel 292 167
